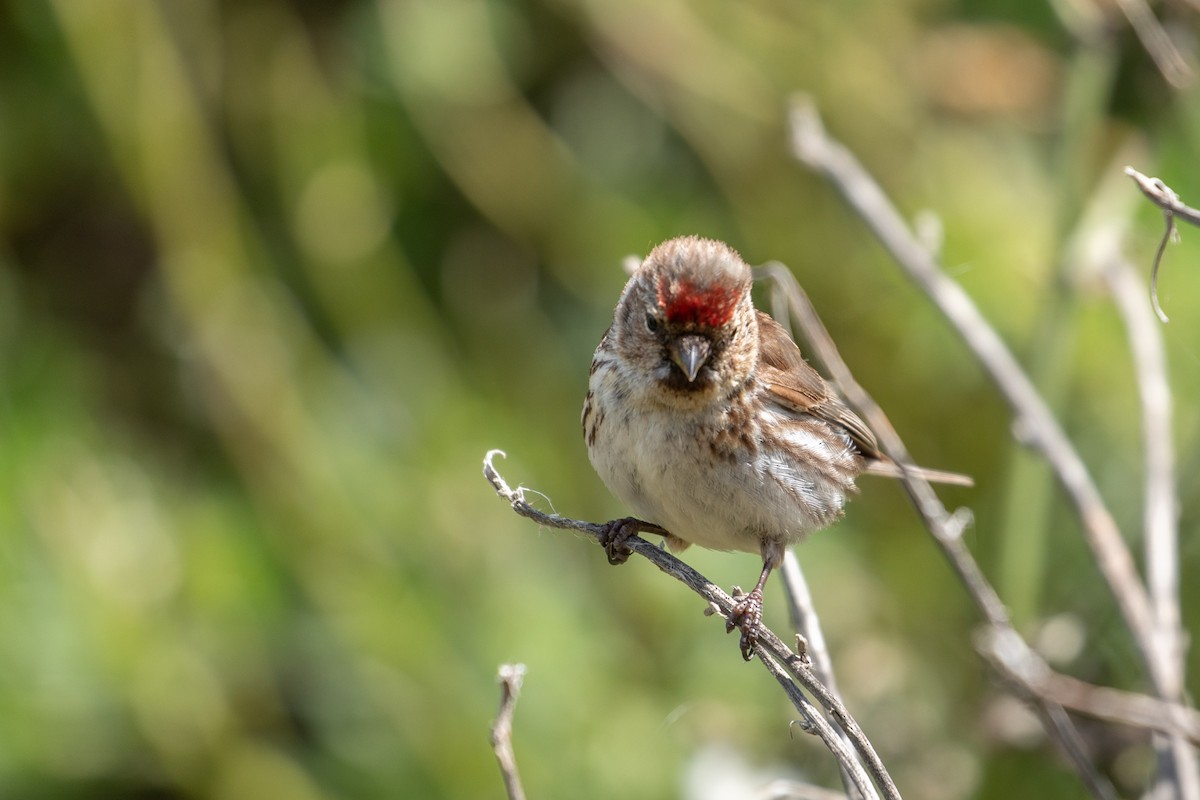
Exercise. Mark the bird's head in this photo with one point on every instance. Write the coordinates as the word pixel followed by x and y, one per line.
pixel 686 320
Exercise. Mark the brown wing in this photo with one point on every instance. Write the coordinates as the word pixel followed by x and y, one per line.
pixel 796 385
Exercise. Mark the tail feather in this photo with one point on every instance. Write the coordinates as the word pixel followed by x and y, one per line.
pixel 890 469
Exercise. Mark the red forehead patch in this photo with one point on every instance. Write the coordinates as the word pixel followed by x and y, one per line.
pixel 684 302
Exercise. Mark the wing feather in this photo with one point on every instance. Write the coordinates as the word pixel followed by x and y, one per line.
pixel 795 385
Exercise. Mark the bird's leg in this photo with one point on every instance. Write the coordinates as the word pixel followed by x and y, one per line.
pixel 747 614
pixel 618 532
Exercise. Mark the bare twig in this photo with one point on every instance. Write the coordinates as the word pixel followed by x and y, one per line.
pixel 1161 512
pixel 1034 420
pixel 945 527
pixel 510 677
pixel 814 722
pixel 1169 235
pixel 1166 199
pixel 807 624
pixel 768 643
pixel 1166 56
pixel 1025 669
pixel 1161 507
pixel 1164 196
pixel 804 619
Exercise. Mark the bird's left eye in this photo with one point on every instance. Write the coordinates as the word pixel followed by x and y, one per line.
pixel 652 323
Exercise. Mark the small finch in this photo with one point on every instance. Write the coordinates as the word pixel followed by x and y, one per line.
pixel 704 419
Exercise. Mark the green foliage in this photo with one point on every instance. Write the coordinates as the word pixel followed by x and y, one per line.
pixel 274 276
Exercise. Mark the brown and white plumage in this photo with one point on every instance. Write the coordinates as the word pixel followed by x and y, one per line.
pixel 704 418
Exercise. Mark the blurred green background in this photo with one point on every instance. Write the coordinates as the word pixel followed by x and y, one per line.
pixel 275 274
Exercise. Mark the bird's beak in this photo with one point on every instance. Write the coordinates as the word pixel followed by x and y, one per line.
pixel 690 353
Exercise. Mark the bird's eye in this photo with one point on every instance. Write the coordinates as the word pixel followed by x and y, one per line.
pixel 652 323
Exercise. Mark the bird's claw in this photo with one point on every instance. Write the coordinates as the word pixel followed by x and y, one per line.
pixel 746 615
pixel 615 537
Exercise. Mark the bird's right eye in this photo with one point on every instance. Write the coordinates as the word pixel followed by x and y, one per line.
pixel 652 323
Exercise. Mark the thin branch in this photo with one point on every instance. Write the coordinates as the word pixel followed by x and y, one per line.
pixel 1170 234
pixel 1025 669
pixel 1166 199
pixel 807 625
pixel 946 528
pixel 1056 719
pixel 1160 503
pixel 1157 43
pixel 768 642
pixel 814 722
pixel 1161 511
pixel 1040 429
pixel 1034 420
pixel 660 558
pixel 805 622
pixel 510 677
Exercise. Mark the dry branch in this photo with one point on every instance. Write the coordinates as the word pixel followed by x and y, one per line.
pixel 510 677
pixel 1157 43
pixel 1166 199
pixel 1160 515
pixel 1040 429
pixel 771 649
pixel 946 528
pixel 1155 627
pixel 803 614
pixel 1158 649
pixel 1022 667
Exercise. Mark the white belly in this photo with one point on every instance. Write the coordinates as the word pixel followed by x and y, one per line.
pixel 669 475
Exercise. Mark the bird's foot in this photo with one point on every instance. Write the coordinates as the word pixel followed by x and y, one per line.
pixel 616 535
pixel 746 616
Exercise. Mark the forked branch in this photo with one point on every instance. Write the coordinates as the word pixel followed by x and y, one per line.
pixel 1166 199
pixel 774 654
pixel 813 146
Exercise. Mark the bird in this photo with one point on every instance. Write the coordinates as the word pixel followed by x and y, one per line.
pixel 703 417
